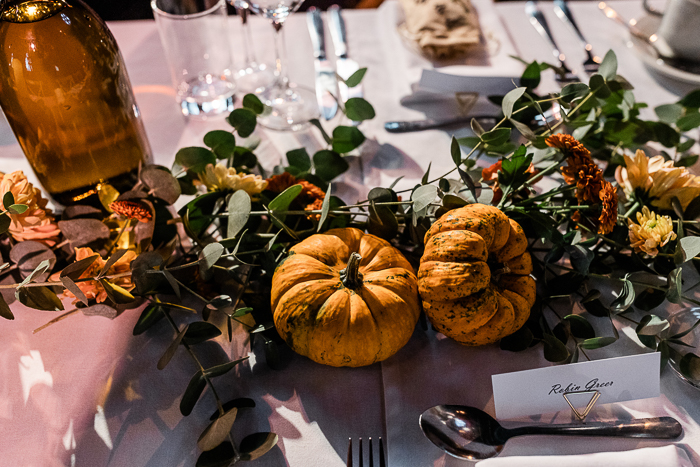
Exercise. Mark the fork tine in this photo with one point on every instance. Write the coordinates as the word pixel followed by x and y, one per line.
pixel 349 462
pixel 382 459
pixel 361 463
pixel 371 453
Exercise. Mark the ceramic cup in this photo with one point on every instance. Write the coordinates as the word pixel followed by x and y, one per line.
pixel 679 31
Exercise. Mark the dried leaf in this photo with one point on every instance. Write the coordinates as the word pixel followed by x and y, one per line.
pixel 217 431
pixel 172 348
pixel 74 289
pixel 257 444
pixel 116 293
pixel 39 298
pixel 81 232
pixel 75 270
pixel 191 396
pixel 5 311
pixel 116 256
pixel 28 255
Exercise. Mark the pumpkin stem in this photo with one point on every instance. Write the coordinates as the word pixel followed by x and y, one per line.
pixel 351 276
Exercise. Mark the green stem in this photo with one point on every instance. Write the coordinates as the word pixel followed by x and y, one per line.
pixel 631 210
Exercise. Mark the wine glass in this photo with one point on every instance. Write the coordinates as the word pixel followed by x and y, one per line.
pixel 289 107
pixel 254 77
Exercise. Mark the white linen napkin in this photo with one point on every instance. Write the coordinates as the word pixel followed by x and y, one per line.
pixel 667 456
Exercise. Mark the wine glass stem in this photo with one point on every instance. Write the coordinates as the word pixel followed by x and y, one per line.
pixel 280 57
pixel 250 59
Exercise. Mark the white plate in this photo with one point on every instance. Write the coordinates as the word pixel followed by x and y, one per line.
pixel 649 25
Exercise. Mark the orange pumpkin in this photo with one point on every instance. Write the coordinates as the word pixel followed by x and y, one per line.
pixel 474 275
pixel 345 298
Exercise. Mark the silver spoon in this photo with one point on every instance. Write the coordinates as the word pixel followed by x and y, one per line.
pixel 470 433
pixel 673 62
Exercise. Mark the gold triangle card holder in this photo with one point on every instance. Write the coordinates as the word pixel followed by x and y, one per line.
pixel 582 414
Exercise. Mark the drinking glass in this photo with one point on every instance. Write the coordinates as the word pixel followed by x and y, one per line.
pixel 254 77
pixel 289 107
pixel 194 35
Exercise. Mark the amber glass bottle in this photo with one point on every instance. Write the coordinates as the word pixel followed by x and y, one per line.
pixel 66 94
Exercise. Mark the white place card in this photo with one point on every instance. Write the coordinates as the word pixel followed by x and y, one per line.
pixel 541 390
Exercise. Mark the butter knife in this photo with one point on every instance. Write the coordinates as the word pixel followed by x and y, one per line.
pixel 344 65
pixel 326 82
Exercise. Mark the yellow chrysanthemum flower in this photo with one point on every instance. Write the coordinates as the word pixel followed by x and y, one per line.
pixel 659 179
pixel 650 232
pixel 220 177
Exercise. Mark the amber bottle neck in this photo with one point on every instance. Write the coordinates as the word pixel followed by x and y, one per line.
pixel 29 11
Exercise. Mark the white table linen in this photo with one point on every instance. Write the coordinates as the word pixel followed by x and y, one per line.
pixel 134 419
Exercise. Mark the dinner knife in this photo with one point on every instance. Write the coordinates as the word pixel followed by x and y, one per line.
pixel 429 124
pixel 344 65
pixel 326 82
pixel 538 21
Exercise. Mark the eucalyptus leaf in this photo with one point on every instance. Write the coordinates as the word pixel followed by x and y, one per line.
pixel 200 331
pixel 325 208
pixel 149 316
pixel 116 293
pixel 8 199
pixel 116 256
pixel 651 325
pixel 209 256
pixel 243 120
pixel 675 286
pixel 356 78
pixel 300 159
pixel 625 299
pixel 257 444
pixel 81 232
pixel 191 396
pixel 5 223
pixel 28 255
pixel 194 158
pixel 161 183
pixel 510 99
pixel 5 311
pixel 74 289
pixel 329 164
pixel 347 138
pixel 239 207
pixel 357 109
pixel 580 327
pixel 18 208
pixel 669 113
pixel 554 350
pixel 608 67
pixel 423 196
pixel 456 152
pixel 173 283
pixel 315 122
pixel 172 348
pixel 253 103
pixel 573 91
pixel 220 456
pixel 217 431
pixel 39 298
pixel 690 247
pixel 282 201
pixel 224 368
pixel 597 342
pixel 524 130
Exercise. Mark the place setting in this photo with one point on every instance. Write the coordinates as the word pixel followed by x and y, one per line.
pixel 518 288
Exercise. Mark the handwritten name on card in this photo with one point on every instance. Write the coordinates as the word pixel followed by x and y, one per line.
pixel 541 390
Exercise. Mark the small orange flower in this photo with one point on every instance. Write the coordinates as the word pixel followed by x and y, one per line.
pixel 316 205
pixel 131 210
pixel 93 289
pixel 36 223
pixel 608 215
pixel 566 144
pixel 311 196
pixel 491 172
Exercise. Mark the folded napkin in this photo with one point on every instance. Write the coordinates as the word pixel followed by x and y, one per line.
pixel 667 456
pixel 441 28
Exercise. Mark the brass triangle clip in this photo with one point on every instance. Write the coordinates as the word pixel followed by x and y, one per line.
pixel 581 415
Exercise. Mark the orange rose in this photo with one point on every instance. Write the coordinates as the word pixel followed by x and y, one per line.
pixel 36 223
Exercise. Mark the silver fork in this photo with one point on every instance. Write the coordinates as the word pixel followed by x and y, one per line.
pixel 592 62
pixel 540 24
pixel 382 459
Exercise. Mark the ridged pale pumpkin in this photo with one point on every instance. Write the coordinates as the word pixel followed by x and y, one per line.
pixel 345 298
pixel 474 275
